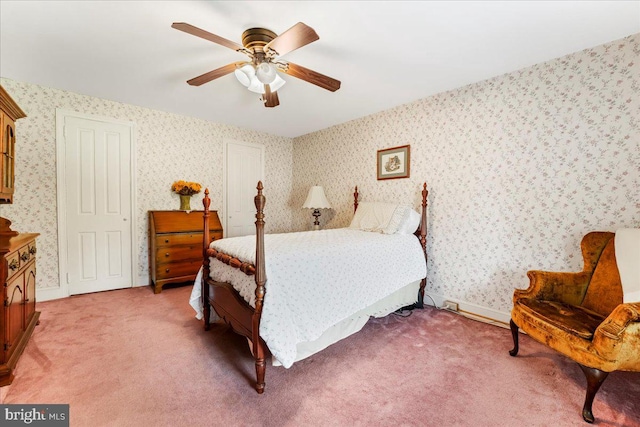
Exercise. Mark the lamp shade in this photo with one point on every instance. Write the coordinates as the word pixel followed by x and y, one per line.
pixel 265 73
pixel 277 83
pixel 255 86
pixel 316 199
pixel 244 74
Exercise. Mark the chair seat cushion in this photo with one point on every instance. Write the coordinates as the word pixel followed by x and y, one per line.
pixel 571 319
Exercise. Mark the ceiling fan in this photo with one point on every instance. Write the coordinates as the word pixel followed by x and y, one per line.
pixel 264 48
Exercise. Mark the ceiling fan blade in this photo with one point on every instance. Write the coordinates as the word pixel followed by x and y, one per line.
pixel 212 75
pixel 295 37
pixel 195 31
pixel 270 98
pixel 311 76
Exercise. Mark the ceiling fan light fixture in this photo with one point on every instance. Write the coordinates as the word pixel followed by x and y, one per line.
pixel 266 73
pixel 245 74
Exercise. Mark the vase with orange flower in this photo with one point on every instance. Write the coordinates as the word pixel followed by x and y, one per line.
pixel 185 189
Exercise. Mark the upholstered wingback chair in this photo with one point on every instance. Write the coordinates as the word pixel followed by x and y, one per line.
pixel 582 316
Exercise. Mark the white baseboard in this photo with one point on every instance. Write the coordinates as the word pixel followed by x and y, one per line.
pixel 474 311
pixel 47 294
pixel 465 308
pixel 143 280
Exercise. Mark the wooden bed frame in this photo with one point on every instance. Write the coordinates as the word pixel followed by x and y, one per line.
pixel 233 309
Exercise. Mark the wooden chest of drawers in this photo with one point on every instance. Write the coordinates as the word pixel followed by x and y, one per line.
pixel 175 245
pixel 18 312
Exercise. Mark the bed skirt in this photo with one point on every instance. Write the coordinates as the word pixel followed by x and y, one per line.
pixel 404 296
pixel 400 298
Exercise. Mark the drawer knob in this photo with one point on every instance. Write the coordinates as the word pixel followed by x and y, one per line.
pixel 32 250
pixel 166 240
pixel 167 254
pixel 24 256
pixel 167 270
pixel 13 265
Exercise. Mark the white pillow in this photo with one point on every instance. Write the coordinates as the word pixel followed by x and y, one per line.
pixel 399 217
pixel 379 217
pixel 411 223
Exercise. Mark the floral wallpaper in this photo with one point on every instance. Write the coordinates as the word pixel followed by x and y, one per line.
pixel 169 147
pixel 519 168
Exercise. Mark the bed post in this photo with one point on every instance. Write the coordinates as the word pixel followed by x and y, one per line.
pixel 261 279
pixel 355 200
pixel 204 291
pixel 422 235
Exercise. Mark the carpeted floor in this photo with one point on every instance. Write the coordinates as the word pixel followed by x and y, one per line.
pixel 132 358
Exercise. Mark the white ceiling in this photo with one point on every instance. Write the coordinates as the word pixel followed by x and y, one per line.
pixel 385 53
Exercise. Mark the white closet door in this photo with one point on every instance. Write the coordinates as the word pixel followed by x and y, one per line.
pixel 244 168
pixel 98 205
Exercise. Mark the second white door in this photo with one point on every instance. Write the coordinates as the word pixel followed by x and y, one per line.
pixel 244 168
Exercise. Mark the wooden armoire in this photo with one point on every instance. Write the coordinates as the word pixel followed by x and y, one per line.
pixel 18 315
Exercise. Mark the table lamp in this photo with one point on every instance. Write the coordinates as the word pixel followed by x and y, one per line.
pixel 316 200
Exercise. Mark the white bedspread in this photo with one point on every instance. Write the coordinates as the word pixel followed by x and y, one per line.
pixel 316 279
pixel 627 245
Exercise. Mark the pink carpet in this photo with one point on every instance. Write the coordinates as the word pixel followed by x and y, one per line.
pixel 132 358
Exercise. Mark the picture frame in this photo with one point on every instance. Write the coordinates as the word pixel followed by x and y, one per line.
pixel 394 163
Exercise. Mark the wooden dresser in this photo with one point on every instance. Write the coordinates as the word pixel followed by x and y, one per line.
pixel 175 245
pixel 19 315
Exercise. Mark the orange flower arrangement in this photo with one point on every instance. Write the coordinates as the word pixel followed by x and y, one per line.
pixel 186 188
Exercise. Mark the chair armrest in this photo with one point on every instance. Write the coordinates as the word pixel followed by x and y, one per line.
pixel 555 286
pixel 614 325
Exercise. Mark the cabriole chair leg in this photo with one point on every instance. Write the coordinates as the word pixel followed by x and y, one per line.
pixel 514 334
pixel 595 378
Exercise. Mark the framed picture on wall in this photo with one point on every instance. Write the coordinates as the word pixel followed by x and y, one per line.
pixel 394 162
